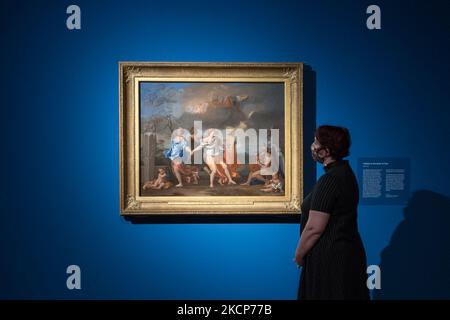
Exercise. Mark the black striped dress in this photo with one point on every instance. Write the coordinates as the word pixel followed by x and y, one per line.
pixel 335 267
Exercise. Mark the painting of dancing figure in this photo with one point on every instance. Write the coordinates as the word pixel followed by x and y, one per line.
pixel 211 138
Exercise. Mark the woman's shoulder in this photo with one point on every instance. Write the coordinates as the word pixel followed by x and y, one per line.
pixel 329 179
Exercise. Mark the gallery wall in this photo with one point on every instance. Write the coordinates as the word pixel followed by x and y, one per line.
pixel 60 147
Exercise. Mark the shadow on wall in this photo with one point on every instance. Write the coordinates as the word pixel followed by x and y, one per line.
pixel 416 263
pixel 309 127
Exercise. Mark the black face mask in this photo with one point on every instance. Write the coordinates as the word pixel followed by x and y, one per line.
pixel 315 155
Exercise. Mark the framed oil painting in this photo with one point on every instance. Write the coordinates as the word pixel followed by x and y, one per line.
pixel 210 138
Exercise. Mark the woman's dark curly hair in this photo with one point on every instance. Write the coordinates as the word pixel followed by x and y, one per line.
pixel 336 139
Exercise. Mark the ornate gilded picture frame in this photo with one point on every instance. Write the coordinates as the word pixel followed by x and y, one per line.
pixel 210 138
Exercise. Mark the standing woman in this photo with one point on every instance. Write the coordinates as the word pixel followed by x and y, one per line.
pixel 330 249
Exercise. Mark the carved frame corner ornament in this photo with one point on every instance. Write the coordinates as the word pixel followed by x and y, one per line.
pixel 132 72
pixel 292 74
pixel 294 204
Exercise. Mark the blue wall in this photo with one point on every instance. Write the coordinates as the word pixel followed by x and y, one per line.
pixel 59 124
